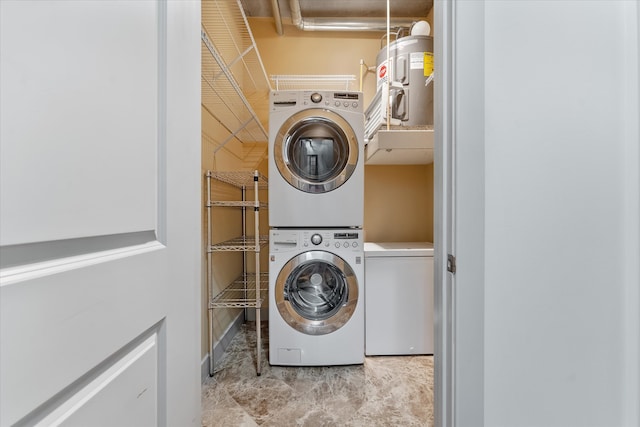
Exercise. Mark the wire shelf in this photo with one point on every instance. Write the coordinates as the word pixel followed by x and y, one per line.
pixel 234 81
pixel 311 82
pixel 240 178
pixel 241 293
pixel 236 204
pixel 244 243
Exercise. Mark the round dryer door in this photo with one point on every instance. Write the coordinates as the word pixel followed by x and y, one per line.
pixel 316 292
pixel 316 150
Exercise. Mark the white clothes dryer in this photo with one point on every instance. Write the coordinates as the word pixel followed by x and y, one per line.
pixel 316 297
pixel 316 159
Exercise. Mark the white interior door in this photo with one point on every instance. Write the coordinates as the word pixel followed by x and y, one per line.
pixel 540 139
pixel 99 213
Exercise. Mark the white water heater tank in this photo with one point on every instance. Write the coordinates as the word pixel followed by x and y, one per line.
pixel 410 67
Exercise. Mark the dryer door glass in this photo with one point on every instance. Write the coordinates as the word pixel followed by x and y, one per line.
pixel 316 151
pixel 316 292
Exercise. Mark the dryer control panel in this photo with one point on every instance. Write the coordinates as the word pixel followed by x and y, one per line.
pixel 333 100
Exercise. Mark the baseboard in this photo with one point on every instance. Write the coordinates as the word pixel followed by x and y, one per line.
pixel 264 314
pixel 221 345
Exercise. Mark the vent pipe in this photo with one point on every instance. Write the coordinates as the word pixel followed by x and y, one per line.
pixel 344 24
pixel 277 17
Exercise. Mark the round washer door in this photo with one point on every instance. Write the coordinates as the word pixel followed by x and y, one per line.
pixel 316 150
pixel 316 292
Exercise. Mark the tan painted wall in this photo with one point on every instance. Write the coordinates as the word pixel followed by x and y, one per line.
pixel 398 203
pixel 316 52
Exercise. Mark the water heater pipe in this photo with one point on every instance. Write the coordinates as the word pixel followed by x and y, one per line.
pixel 388 103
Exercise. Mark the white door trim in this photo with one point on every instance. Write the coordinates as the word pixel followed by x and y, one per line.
pixel 443 207
pixel 459 215
pixel 632 214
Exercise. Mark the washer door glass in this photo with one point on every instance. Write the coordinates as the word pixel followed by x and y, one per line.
pixel 316 150
pixel 316 292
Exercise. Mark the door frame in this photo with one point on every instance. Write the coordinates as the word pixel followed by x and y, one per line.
pixel 443 211
pixel 459 212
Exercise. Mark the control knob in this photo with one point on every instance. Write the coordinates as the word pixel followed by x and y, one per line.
pixel 316 239
pixel 316 97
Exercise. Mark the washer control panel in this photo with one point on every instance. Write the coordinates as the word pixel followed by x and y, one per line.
pixel 327 239
pixel 332 239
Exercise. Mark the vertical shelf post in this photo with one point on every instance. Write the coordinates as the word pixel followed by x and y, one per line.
pixel 256 215
pixel 209 276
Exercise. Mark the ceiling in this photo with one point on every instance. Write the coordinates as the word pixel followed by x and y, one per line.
pixel 342 8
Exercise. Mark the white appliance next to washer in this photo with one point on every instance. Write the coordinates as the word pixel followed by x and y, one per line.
pixel 316 301
pixel 316 159
pixel 399 298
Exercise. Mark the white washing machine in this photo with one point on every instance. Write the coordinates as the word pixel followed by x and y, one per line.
pixel 316 159
pixel 316 297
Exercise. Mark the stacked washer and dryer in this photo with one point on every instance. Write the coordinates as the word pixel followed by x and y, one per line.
pixel 316 213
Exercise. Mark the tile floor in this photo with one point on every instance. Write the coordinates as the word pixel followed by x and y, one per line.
pixel 385 391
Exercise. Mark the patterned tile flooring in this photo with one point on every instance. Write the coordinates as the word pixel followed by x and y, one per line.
pixel 385 391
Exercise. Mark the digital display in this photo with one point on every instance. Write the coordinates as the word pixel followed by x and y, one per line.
pixel 351 96
pixel 345 235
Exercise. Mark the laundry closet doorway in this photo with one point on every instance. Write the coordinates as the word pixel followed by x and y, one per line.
pixel 536 165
